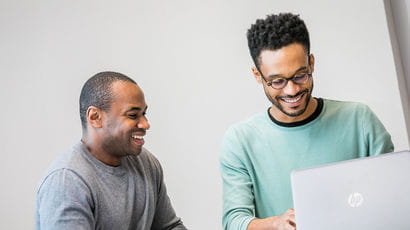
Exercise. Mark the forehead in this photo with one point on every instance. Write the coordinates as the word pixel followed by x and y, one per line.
pixel 286 59
pixel 127 94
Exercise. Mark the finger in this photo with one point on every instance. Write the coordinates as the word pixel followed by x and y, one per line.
pixel 290 211
pixel 293 223
pixel 290 227
pixel 292 218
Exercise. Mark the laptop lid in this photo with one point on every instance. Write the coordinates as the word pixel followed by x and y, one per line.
pixel 365 193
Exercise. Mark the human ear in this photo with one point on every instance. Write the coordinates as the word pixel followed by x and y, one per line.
pixel 257 75
pixel 94 117
pixel 312 63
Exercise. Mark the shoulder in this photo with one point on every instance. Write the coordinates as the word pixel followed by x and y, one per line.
pixel 345 105
pixel 349 114
pixel 240 136
pixel 248 127
pixel 69 166
pixel 62 184
pixel 60 194
pixel 346 108
pixel 74 158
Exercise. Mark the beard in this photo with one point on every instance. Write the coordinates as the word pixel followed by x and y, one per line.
pixel 276 103
pixel 120 146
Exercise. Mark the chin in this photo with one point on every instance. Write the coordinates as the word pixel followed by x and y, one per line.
pixel 137 152
pixel 133 153
pixel 296 113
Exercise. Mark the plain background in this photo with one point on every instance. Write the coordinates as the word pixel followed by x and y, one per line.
pixel 191 59
pixel 397 14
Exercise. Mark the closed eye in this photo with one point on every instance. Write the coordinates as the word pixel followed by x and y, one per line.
pixel 278 81
pixel 300 78
pixel 133 116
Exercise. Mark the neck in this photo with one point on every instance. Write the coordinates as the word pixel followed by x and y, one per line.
pixel 99 153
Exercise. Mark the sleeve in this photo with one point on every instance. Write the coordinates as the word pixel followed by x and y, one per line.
pixel 64 201
pixel 238 198
pixel 379 140
pixel 165 216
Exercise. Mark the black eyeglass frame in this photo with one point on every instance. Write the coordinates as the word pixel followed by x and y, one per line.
pixel 286 79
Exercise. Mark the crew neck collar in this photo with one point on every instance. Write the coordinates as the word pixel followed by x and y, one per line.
pixel 312 117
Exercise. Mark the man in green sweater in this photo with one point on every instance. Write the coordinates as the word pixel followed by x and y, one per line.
pixel 297 131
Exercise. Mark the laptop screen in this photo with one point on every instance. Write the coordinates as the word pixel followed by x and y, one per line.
pixel 365 193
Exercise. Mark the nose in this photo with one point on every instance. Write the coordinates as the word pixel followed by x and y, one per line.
pixel 291 88
pixel 143 123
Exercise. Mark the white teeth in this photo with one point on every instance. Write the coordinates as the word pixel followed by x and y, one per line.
pixel 137 137
pixel 287 100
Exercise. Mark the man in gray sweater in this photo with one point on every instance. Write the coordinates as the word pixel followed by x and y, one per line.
pixel 107 180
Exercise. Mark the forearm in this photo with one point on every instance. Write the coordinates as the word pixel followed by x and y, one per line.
pixel 282 222
pixel 179 226
pixel 165 216
pixel 262 224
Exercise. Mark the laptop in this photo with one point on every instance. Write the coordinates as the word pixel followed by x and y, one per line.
pixel 364 193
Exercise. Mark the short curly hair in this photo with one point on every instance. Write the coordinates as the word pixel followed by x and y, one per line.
pixel 275 32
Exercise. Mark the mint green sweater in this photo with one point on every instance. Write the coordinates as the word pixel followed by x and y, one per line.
pixel 258 156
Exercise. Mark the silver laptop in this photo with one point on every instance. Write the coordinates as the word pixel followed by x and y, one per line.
pixel 365 193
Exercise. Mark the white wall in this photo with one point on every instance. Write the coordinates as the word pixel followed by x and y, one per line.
pixel 397 14
pixel 191 59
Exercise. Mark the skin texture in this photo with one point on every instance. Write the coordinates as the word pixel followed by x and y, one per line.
pixel 283 222
pixel 285 63
pixel 119 131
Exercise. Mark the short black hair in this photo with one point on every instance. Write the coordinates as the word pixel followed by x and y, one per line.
pixel 97 92
pixel 275 32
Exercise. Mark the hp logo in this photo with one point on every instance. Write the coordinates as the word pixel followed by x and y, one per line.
pixel 355 200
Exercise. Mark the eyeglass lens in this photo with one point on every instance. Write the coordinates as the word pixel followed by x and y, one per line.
pixel 281 82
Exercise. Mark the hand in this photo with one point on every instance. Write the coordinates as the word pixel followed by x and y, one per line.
pixel 283 222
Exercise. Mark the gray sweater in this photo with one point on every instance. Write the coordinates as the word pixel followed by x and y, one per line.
pixel 80 192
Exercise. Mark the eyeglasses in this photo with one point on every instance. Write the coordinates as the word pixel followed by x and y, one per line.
pixel 280 83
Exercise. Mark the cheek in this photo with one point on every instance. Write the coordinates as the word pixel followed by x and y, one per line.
pixel 269 90
pixel 310 85
pixel 116 128
pixel 129 126
pixel 270 93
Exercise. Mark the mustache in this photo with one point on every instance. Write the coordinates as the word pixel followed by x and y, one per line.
pixel 296 95
pixel 143 131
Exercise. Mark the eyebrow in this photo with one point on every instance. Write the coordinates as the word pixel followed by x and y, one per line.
pixel 281 75
pixel 137 109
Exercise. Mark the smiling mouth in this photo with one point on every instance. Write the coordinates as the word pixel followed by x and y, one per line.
pixel 293 99
pixel 136 137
